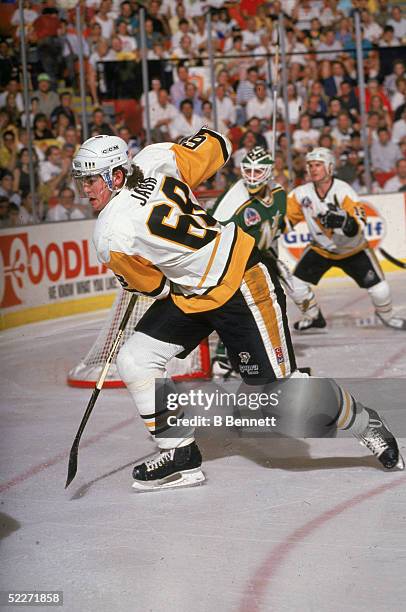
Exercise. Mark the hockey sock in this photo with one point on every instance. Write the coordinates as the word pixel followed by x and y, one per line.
pixel 353 417
pixel 381 298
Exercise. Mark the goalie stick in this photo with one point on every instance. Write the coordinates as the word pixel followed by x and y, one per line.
pixel 389 257
pixel 73 456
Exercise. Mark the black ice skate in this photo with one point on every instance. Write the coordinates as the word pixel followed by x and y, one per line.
pixel 177 467
pixel 393 322
pixel 381 442
pixel 307 323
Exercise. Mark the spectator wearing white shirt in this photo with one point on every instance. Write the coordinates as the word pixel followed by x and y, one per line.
pixel 184 29
pixel 304 12
pixel 398 22
pixel 186 122
pixel 390 80
pixel 372 31
pixel 14 88
pixel 260 105
pixel 65 209
pixel 226 110
pixel 399 97
pixel 54 171
pixel 343 131
pixel 177 90
pixel 208 118
pixel 399 128
pixel 105 19
pixel 330 46
pixel 129 42
pixel 384 152
pixel 397 182
pixel 163 113
pixel 251 36
pixel 388 38
pixel 295 104
pixel 305 137
pixel 297 52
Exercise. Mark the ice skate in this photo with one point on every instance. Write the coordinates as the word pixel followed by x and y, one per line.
pixel 380 441
pixel 393 322
pixel 222 368
pixel 177 467
pixel 307 323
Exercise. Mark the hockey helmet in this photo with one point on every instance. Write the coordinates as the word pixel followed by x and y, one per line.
pixel 256 169
pixel 100 155
pixel 324 155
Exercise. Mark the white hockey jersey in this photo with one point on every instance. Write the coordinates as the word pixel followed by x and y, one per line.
pixel 305 204
pixel 158 240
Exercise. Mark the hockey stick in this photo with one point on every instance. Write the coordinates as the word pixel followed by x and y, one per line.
pixel 73 457
pixel 275 87
pixel 389 257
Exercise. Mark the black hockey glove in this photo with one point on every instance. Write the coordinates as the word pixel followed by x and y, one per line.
pixel 339 219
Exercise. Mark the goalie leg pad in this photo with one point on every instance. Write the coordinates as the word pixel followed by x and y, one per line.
pixel 381 298
pixel 140 362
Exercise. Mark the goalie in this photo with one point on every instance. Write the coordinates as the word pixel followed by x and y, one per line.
pixel 336 219
pixel 204 276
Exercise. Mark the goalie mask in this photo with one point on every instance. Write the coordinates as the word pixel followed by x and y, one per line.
pixel 256 169
pixel 323 155
pixel 99 155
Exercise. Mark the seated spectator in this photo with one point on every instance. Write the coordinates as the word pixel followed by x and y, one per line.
pixel 49 46
pixel 342 132
pixel 384 153
pixel 325 141
pixel 248 142
pixel 128 16
pixel 313 109
pixel 191 93
pixel 245 92
pixel 163 114
pixel 64 108
pixel 348 98
pixel 236 61
pixel 388 38
pixel 26 214
pixel 373 123
pixel 184 28
pixel 129 43
pixel 65 209
pixel 226 110
pixel 95 72
pixel 177 90
pixel 208 119
pixel 48 100
pixel 34 110
pixel 186 123
pixel 54 172
pixel 159 21
pixel 334 109
pixel 314 35
pixel 6 188
pixel 305 137
pixel 255 126
pixel 304 12
pixel 295 104
pixel 41 130
pixel 399 127
pixel 398 23
pixel 251 35
pixel 120 54
pixel 397 182
pixel 399 97
pixel 21 174
pixel 132 143
pixel 101 123
pixel 373 89
pixel 376 106
pixel 347 169
pixel 105 19
pixel 330 14
pixel 8 150
pixel 185 50
pixel 371 30
pixel 329 45
pixel 390 80
pixel 332 84
pixel 94 36
pixel 297 52
pixel 13 87
pixel 260 105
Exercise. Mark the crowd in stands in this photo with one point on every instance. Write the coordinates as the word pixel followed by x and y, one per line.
pixel 323 93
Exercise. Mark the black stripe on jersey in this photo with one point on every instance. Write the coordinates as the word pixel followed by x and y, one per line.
pixel 221 140
pixel 158 290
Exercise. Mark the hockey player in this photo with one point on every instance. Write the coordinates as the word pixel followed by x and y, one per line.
pixel 336 219
pixel 204 276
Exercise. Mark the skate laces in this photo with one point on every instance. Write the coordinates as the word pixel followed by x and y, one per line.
pixel 373 439
pixel 160 461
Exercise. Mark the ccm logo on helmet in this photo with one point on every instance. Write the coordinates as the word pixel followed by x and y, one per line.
pixel 114 148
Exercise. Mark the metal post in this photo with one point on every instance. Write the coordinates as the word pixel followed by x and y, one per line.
pixel 27 109
pixel 212 72
pixel 145 79
pixel 361 86
pixel 82 84
pixel 285 96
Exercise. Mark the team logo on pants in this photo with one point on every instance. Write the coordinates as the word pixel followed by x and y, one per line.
pixel 245 357
pixel 279 354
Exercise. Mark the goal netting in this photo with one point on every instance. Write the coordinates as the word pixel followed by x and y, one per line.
pixel 88 370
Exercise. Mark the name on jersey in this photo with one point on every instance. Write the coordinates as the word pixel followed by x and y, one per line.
pixel 143 191
pixel 251 217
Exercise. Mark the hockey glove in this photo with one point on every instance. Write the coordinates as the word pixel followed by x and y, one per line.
pixel 339 219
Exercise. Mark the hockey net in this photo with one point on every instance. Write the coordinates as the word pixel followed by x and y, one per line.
pixel 88 370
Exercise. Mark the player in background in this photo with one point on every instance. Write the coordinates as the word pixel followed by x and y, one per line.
pixel 204 276
pixel 257 204
pixel 336 219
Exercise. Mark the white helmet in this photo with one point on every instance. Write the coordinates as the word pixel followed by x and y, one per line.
pixel 256 169
pixel 100 155
pixel 324 155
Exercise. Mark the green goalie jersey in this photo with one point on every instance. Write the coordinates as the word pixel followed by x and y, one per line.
pixel 261 217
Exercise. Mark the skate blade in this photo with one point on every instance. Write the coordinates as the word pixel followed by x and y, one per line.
pixel 189 478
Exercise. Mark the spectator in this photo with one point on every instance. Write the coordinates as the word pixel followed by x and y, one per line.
pixel 245 92
pixel 132 143
pixel 398 23
pixel 46 28
pixel 41 130
pixel 159 21
pixel 296 51
pixel 186 123
pixel 382 12
pixel 384 153
pixel 348 99
pixel 128 16
pixel 342 132
pixel 334 109
pixel 105 20
pixel 236 61
pixel 251 36
pixel 6 188
pixel 177 90
pixel 371 30
pixel 226 111
pixel 399 97
pixel 26 214
pixel 12 109
pixel 255 126
pixel 8 150
pixel 47 100
pixel 376 106
pixel 347 170
pixel 94 37
pixel 4 212
pixel 305 137
pixel 329 46
pixel 390 80
pixel 248 142
pixel 399 127
pixel 64 108
pixel 332 84
pixel 388 38
pixel 260 105
pixel 34 110
pixel 14 88
pixel 304 12
pixel 185 51
pixel 208 119
pixel 65 209
pixel 163 114
pixel 54 171
pixel 373 89
pixel 295 104
pixel 184 29
pixel 71 50
pixel 313 109
pixel 100 123
pixel 191 93
pixel 397 182
pixel 102 54
pixel 21 174
pixel 373 121
pixel 129 43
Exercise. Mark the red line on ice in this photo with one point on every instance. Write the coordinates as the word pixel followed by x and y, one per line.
pixel 253 600
pixel 36 469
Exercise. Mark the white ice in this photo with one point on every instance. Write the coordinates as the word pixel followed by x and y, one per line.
pixel 280 525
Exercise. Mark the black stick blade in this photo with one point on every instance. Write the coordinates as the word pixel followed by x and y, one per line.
pixel 73 465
